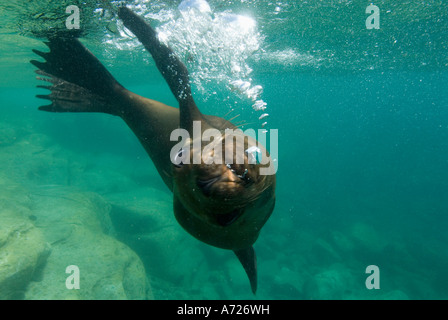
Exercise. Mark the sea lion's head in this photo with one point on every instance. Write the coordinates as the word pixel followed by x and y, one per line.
pixel 224 197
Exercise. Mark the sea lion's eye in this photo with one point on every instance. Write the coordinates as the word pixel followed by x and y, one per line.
pixel 178 159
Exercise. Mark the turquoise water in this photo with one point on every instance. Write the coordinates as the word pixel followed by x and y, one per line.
pixel 363 157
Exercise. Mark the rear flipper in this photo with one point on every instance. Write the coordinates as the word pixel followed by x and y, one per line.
pixel 79 82
pixel 248 259
pixel 69 97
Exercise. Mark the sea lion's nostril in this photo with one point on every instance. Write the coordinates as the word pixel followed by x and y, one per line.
pixel 241 172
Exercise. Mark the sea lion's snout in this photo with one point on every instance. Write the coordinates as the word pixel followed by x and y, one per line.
pixel 237 176
pixel 243 172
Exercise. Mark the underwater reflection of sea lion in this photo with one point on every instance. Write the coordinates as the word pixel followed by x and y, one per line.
pixel 224 205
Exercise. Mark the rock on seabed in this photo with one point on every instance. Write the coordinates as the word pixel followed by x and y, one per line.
pixel 44 231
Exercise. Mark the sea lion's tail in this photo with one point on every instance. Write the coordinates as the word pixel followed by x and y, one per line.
pixel 248 259
pixel 79 82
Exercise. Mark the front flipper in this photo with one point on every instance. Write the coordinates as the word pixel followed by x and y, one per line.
pixel 248 259
pixel 169 65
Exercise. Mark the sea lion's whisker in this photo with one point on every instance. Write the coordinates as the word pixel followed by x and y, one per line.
pixel 230 111
pixel 230 120
pixel 245 124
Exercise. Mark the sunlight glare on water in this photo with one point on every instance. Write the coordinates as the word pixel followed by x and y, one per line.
pixel 215 46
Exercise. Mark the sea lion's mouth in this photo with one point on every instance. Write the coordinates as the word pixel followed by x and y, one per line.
pixel 226 219
pixel 222 219
pixel 206 185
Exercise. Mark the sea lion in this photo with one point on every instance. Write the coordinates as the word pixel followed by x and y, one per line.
pixel 224 205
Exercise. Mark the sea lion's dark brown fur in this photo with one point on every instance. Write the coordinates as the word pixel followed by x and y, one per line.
pixel 215 203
